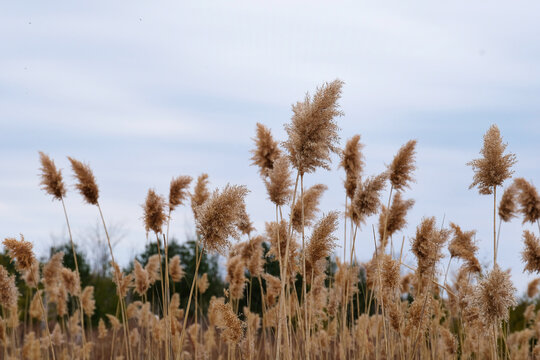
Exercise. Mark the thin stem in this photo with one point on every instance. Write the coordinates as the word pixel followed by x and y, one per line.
pixel 304 286
pixel 286 261
pixel 121 298
pixel 189 299
pixel 47 325
pixel 76 269
pixel 494 229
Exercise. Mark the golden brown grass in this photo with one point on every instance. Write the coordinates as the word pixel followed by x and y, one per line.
pixel 400 312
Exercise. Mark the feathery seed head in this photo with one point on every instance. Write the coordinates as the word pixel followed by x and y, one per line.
pixel 528 199
pixel 217 218
pixel 494 295
pixel 154 215
pixel 175 269
pixel 494 167
pixel 366 200
pixel 21 252
pixel 312 197
pixel 87 301
pixel 401 168
pixel 142 280
pixel 203 284
pixel 462 245
pixel 51 177
pixel 278 182
pixel 313 131
pixel 322 241
pixel 532 288
pixel 266 150
pixel 178 191
pixel 236 277
pixel 200 193
pixel 71 281
pixel 427 246
pixel 353 163
pixel 507 205
pixel 531 253
pixel 8 291
pixel 86 182
pixel 395 218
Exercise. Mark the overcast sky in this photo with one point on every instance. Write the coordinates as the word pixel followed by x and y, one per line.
pixel 144 91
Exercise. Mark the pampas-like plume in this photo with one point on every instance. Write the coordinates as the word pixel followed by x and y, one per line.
pixel 531 253
pixel 175 269
pixel 390 273
pixel 272 231
pixel 203 284
pixel 115 323
pixel 416 323
pixel 313 130
pixel 266 150
pixel 154 215
pixel 200 193
pixel 71 282
pixel 494 167
pixel 227 321
pixel 507 205
pixel 449 340
pixel 321 242
pixel 21 252
pixel 529 200
pixel 178 191
pixel 312 196
pixel 86 182
pixel 236 277
pixel 217 217
pixel 123 282
pixel 494 295
pixel 462 246
pixel 244 223
pixel 142 280
pixel 401 168
pixel 8 291
pixel 57 337
pixel 52 271
pixel 31 347
pixel 366 200
pixel 51 178
pixel 102 329
pixel 352 162
pixel 532 288
pixel 278 184
pixel 395 218
pixel 251 253
pixel 87 301
pixel 152 268
pixel 427 245
pixel 31 276
pixel 273 288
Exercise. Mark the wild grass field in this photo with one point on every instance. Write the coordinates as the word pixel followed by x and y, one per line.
pixel 289 291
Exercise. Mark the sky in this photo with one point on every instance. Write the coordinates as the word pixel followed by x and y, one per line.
pixel 145 91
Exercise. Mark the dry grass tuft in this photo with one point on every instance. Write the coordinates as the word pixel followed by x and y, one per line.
pixel 217 217
pixel 312 133
pixel 86 182
pixel 494 167
pixel 401 168
pixel 352 162
pixel 266 150
pixel 51 178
